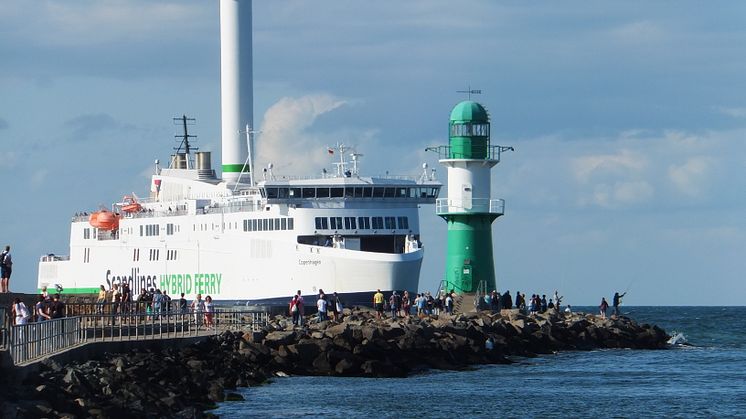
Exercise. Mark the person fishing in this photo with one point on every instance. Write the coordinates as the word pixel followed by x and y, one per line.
pixel 616 301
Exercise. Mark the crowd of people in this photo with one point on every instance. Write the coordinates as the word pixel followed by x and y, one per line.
pixel 46 308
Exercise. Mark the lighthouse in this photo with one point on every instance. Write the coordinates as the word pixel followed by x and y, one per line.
pixel 469 209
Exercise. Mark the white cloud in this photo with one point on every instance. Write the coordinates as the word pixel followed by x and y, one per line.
pixel 284 137
pixel 632 192
pixel 739 113
pixel 72 23
pixel 690 177
pixel 622 163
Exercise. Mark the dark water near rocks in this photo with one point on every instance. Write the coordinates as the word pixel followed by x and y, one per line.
pixel 707 379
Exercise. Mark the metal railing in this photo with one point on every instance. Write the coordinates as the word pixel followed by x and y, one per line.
pixel 4 327
pixel 470 206
pixel 485 152
pixel 33 341
pixel 36 340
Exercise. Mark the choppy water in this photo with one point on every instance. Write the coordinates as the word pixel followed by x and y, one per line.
pixel 707 379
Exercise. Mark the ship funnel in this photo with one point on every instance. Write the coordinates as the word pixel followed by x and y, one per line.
pixel 236 85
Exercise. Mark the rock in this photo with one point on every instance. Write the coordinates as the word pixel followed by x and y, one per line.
pixel 234 397
pixel 275 339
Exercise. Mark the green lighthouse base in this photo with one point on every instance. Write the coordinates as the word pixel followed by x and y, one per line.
pixel 469 260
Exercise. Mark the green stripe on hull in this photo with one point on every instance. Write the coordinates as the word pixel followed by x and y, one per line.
pixel 51 290
pixel 235 168
pixel 469 259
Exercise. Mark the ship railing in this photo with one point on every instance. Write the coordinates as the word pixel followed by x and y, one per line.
pixel 32 341
pixel 51 257
pixel 470 206
pixel 336 176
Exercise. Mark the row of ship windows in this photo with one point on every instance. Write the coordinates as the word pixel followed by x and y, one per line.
pixel 154 254
pixel 269 224
pixel 350 192
pixel 362 223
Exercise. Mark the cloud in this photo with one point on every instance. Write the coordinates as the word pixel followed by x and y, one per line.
pixel 738 113
pixel 285 136
pixel 91 126
pixel 624 162
pixel 690 177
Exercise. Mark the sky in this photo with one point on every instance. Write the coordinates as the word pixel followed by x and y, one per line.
pixel 628 121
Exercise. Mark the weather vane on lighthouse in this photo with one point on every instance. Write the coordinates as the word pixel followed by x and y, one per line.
pixel 469 91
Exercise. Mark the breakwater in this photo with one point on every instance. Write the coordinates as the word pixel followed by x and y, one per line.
pixel 185 382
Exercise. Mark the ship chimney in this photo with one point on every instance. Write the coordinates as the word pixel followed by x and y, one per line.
pixel 236 85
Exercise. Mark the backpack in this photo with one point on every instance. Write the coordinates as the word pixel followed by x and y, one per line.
pixel 3 262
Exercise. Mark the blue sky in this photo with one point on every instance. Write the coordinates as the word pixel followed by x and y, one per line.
pixel 628 119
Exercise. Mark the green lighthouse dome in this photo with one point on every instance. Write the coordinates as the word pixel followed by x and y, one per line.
pixel 469 131
pixel 469 111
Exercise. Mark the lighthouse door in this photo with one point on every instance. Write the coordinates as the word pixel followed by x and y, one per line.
pixel 466 195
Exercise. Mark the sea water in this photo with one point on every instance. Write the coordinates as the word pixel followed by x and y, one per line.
pixel 706 379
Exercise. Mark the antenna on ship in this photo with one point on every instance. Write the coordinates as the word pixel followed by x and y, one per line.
pixel 181 158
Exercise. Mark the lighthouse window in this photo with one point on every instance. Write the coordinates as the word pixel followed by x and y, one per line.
pixel 294 192
pixel 283 224
pixel 337 192
pixel 290 223
pixel 403 223
pixel 401 192
pixel 271 193
pixel 169 229
pixel 378 192
pixel 254 225
pixel 141 227
pixel 265 225
pixel 358 192
pixel 391 223
pixel 282 193
pixel 277 223
pixel 309 192
pixel 350 223
pixel 364 223
pixel 412 192
pixel 86 233
pixel 377 223
pixel 350 192
pixel 390 192
pixel 322 192
pixel 335 223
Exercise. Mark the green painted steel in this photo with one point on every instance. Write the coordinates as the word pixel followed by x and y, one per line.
pixel 469 131
pixel 469 111
pixel 469 259
pixel 234 168
pixel 52 291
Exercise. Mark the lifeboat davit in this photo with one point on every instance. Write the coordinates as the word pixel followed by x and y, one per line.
pixel 104 220
pixel 130 204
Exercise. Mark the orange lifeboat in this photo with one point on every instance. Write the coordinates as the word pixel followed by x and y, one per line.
pixel 104 220
pixel 130 204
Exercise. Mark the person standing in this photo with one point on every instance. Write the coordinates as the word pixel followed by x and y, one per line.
pixel 198 307
pixel 57 309
pixel 339 307
pixel 617 301
pixel 321 305
pixel 293 308
pixel 182 304
pixel 21 315
pixel 301 306
pixel 394 304
pixel 41 309
pixel 209 312
pixel 449 303
pixel 603 307
pixel 405 304
pixel 6 268
pixel 378 303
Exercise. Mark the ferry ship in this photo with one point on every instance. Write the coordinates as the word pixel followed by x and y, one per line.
pixel 249 236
